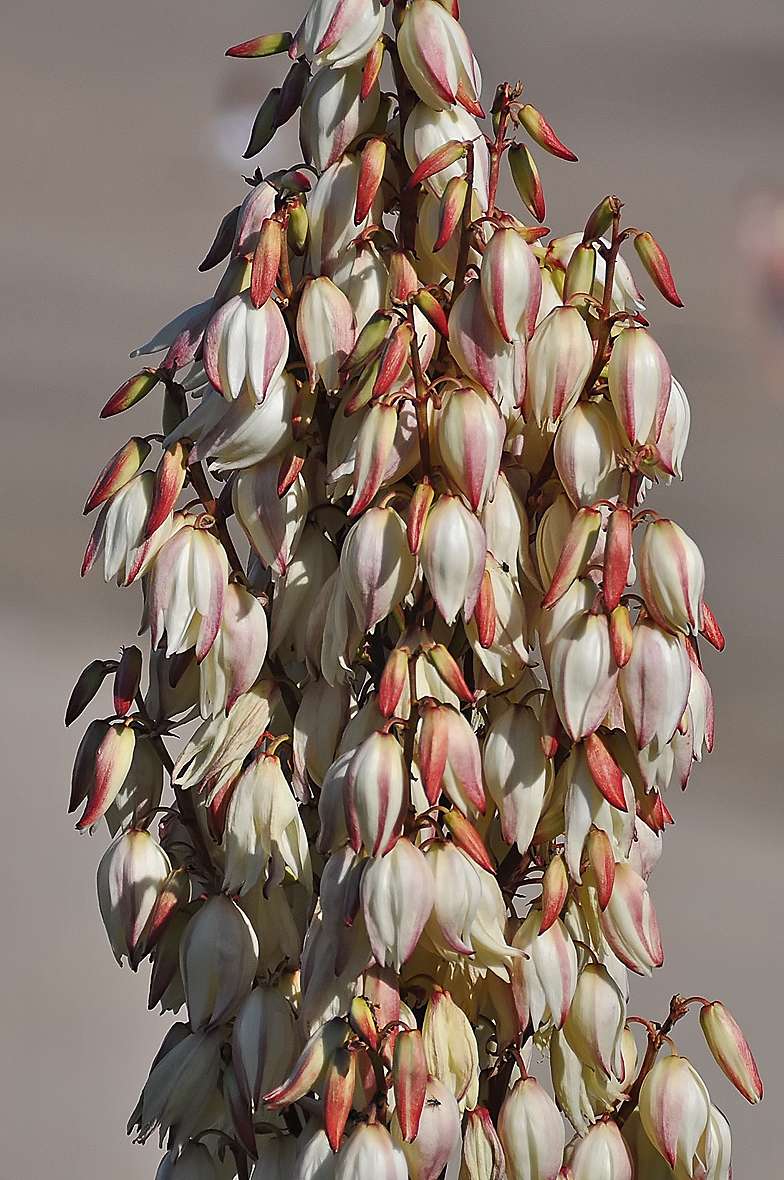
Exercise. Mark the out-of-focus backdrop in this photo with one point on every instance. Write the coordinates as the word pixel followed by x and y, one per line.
pixel 122 127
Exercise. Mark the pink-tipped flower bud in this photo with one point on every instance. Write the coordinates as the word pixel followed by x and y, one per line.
pixel 654 684
pixel 331 207
pixel 672 576
pixel 583 673
pixel 219 955
pixel 339 33
pixel 449 758
pixel 311 1065
pixel 511 285
pixel 118 471
pixel 397 893
pixel 655 262
pixel 106 762
pixel 334 113
pixel 526 179
pixel 339 1094
pixel 483 1156
pixel 325 330
pixel 629 922
pixel 576 553
pixel 453 555
pixel 601 859
pixel 131 392
pixel 639 379
pixel 517 773
pixel 542 133
pixel 731 1050
pixel 600 1155
pixel 131 874
pixel 675 1109
pixel 429 131
pixel 555 889
pixel 560 356
pixel 274 524
pixel 245 347
pixel 531 1130
pixel 376 565
pixel 371 173
pixel 439 1129
pixel 450 210
pixel 188 590
pixel 470 434
pixel 481 351
pixel 376 794
pixel 594 1025
pixel 437 58
pixel 266 261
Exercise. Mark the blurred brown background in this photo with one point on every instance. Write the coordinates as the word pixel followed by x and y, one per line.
pixel 122 127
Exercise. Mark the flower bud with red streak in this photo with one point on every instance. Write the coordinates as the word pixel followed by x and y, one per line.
pixel 605 771
pixel 360 1017
pixel 542 133
pixel 511 285
pixel 640 381
pixel 397 893
pixel 375 441
pixel 674 1107
pixel 449 671
pixel 338 1094
pixel 655 262
pixel 409 1078
pixel 485 612
pixel 672 576
pixel 466 837
pixel 311 1064
pixel 450 210
pixel 376 565
pixel 711 629
pixel 393 359
pixel 560 356
pixel 629 922
pixel 443 157
pixel 131 392
pixel 453 554
pixel 731 1050
pixel 654 684
pixel 393 680
pixel 433 311
pixel 118 471
pixel 526 179
pixel 376 794
pixel 601 859
pixel 483 1156
pixel 325 330
pixel 110 765
pixel 372 68
pixel 437 58
pixel 532 1132
pixel 262 46
pixel 617 556
pixel 449 758
pixel 438 1135
pixel 169 482
pixel 266 260
pixel 418 509
pixel 371 172
pixel 583 673
pixel 621 635
pixel 578 547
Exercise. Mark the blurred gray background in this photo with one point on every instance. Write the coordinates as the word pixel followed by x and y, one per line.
pixel 122 127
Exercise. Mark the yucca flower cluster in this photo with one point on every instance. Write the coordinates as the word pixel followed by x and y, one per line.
pixel 426 692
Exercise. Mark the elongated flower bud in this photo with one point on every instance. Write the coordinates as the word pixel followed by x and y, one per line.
pixel 106 772
pixel 629 922
pixel 409 1078
pixel 263 1043
pixel 511 285
pixel 450 1048
pixel 243 345
pixel 449 758
pixel 483 1156
pixel 377 565
pixel 672 575
pixel 583 673
pixel 731 1050
pixel 516 772
pixel 577 549
pixel 437 58
pixel 595 1021
pixel 470 433
pixel 376 794
pixel 273 523
pixel 310 1065
pixel 480 349
pixel 526 179
pixel 560 356
pixel 453 556
pixel 585 455
pixel 655 262
pixel 325 329
pixel 640 380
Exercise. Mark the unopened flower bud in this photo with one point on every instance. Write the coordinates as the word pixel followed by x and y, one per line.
pixel 470 433
pixel 376 565
pixel 511 284
pixel 449 759
pixel 397 893
pixel 218 959
pixel 583 673
pixel 453 556
pixel 675 1108
pixel 654 684
pixel 639 379
pixel 325 330
pixel 629 922
pixel 333 114
pixel 245 345
pixel 594 1025
pixel 483 1156
pixel 655 262
pixel 560 356
pixel 731 1050
pixel 131 875
pixel 600 1155
pixel 585 455
pixel 526 179
pixel 450 1048
pixel 371 1151
pixel 263 1043
pixel 672 576
pixel 376 793
pixel 532 1133
pixel 516 772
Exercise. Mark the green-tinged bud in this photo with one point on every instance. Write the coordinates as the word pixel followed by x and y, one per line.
pixel 118 471
pixel 432 310
pixel 369 341
pixel 555 888
pixel 298 227
pixel 372 68
pixel 90 680
pixel 621 635
pixel 580 272
pixel 525 175
pixel 361 1019
pixel 483 1156
pixel 131 392
pixel 311 1064
pixel 110 765
pixel 262 46
pixel 263 127
pixel 655 262
pixel 601 219
pixel 443 157
pixel 542 133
